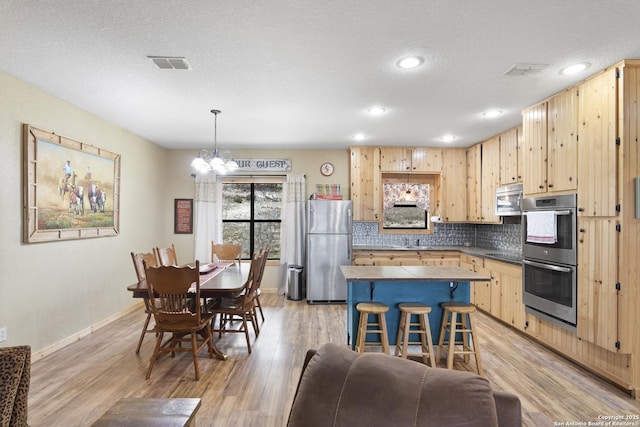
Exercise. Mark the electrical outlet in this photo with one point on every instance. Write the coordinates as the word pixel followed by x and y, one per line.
pixel 3 334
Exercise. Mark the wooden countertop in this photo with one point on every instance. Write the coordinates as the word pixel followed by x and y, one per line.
pixel 411 273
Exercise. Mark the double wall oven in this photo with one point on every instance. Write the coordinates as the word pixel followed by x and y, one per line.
pixel 550 262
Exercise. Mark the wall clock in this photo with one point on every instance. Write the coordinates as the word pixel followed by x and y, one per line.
pixel 326 169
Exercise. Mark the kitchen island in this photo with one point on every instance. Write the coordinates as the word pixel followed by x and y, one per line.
pixel 392 285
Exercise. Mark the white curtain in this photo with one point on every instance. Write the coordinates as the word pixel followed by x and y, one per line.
pixel 208 215
pixel 293 226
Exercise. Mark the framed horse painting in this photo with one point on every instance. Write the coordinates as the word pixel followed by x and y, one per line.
pixel 71 189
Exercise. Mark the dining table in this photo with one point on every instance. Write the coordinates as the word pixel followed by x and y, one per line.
pixel 217 280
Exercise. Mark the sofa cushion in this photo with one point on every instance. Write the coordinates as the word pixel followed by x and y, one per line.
pixel 15 374
pixel 342 388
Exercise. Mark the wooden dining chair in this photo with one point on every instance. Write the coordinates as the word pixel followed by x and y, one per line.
pixel 226 252
pixel 176 309
pixel 151 260
pixel 166 256
pixel 243 306
pixel 257 303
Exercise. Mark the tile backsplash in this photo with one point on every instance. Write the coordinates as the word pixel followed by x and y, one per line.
pixel 502 237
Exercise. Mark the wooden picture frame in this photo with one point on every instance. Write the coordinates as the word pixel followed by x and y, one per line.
pixel 71 188
pixel 183 216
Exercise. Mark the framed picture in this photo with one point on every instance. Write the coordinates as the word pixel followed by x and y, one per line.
pixel 183 216
pixel 71 188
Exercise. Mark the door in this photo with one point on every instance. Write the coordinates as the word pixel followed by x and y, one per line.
pixel 329 216
pixel 326 253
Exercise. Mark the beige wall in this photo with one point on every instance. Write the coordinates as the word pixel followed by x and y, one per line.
pixel 51 293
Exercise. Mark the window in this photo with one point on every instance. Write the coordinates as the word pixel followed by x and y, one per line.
pixel 407 202
pixel 251 214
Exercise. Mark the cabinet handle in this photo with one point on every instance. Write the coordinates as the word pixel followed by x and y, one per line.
pixel 550 185
pixel 580 209
pixel 582 230
pixel 541 186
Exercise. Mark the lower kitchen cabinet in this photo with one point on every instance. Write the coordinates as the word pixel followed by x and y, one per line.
pixel 406 257
pixel 598 294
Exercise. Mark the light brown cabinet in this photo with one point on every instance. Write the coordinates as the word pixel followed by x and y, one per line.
pixel 562 142
pixel 598 150
pixel 425 159
pixel 597 278
pixel 453 185
pixel 550 141
pixel 474 183
pixel 406 257
pixel 483 177
pixel 534 131
pixel 481 290
pixel 490 179
pixel 403 159
pixel 511 156
pixel 502 295
pixel 395 159
pixel 365 182
pixel 506 293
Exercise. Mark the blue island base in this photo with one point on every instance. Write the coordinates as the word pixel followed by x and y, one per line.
pixel 392 293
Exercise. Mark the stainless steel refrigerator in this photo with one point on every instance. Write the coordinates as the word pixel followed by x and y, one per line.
pixel 328 247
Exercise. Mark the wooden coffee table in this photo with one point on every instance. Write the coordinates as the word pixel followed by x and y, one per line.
pixel 151 412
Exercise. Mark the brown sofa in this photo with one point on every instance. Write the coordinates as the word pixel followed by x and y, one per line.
pixel 339 387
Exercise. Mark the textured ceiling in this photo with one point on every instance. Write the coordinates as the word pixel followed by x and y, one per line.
pixel 302 73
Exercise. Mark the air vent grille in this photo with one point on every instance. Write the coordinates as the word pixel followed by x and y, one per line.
pixel 524 69
pixel 170 62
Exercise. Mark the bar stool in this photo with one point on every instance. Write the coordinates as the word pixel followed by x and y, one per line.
pixel 407 309
pixel 464 327
pixel 376 309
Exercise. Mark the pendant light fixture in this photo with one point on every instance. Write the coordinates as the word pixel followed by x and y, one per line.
pixel 212 161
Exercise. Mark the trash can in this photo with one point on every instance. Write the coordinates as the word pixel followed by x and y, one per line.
pixel 295 288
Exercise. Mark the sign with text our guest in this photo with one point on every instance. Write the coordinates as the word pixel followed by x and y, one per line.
pixel 263 165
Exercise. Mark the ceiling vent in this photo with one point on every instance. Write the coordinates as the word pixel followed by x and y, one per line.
pixel 170 62
pixel 524 69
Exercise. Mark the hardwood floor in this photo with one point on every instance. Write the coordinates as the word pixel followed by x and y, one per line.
pixel 78 383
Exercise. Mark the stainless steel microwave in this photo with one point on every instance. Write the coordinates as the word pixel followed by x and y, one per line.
pixel 508 200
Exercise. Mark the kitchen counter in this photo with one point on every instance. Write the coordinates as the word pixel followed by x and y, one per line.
pixel 504 256
pixel 421 274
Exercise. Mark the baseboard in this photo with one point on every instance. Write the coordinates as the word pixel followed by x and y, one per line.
pixel 35 356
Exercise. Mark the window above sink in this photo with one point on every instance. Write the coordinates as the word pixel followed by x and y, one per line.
pixel 407 202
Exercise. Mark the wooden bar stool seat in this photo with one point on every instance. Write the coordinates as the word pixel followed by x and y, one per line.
pixel 407 309
pixel 451 325
pixel 377 309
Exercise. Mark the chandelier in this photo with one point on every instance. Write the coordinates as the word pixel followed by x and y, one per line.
pixel 211 160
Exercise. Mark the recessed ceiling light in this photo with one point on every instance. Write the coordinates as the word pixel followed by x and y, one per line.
pixel 490 114
pixel 448 138
pixel 409 62
pixel 377 110
pixel 575 68
pixel 359 136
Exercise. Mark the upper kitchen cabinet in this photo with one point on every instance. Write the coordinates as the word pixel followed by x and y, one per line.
pixel 474 183
pixel 453 188
pixel 490 179
pixel 365 182
pixel 402 159
pixel 534 135
pixel 550 141
pixel 598 149
pixel 511 156
pixel 483 177
pixel 426 159
pixel 562 143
